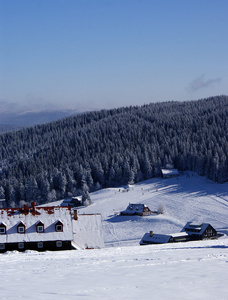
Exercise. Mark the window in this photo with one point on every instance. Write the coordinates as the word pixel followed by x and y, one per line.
pixel 21 229
pixel 2 229
pixel 21 246
pixel 40 227
pixel 40 245
pixel 2 246
pixel 59 226
pixel 59 244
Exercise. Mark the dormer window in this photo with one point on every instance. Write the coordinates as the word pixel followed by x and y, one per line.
pixel 21 228
pixel 39 227
pixel 2 228
pixel 59 226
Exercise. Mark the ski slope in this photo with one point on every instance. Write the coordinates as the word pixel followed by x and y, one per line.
pixel 123 269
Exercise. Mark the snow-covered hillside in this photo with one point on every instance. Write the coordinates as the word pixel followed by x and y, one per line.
pixel 185 198
pixel 125 270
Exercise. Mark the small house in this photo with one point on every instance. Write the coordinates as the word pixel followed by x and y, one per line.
pixel 153 238
pixel 169 173
pixel 136 209
pixel 73 202
pixel 200 231
pixel 48 228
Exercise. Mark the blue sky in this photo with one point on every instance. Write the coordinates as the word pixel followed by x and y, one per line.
pixel 110 53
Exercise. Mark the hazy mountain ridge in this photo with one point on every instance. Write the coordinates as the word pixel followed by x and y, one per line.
pixel 16 120
pixel 7 128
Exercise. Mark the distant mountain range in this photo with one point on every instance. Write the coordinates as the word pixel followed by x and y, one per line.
pixel 16 120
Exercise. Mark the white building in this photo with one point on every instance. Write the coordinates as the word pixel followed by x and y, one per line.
pixel 48 228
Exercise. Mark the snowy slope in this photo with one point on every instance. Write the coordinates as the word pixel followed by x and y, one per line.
pixel 192 270
pixel 185 198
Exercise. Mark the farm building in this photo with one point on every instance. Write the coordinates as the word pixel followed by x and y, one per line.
pixel 136 209
pixel 48 228
pixel 190 232
pixel 168 173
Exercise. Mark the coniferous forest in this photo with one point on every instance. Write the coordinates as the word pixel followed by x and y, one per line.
pixel 114 147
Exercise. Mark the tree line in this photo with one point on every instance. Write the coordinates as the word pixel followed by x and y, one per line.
pixel 108 148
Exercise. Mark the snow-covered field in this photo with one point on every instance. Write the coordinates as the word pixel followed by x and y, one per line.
pixel 125 270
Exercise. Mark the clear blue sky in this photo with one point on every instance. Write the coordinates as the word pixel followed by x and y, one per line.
pixel 110 53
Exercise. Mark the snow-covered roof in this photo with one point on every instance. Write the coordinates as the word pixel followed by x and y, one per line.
pixel 134 208
pixel 155 238
pixel 88 232
pixel 30 218
pixel 67 200
pixel 179 234
pixel 170 171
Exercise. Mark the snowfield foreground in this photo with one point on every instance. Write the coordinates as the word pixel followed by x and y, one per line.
pixel 125 270
pixel 194 270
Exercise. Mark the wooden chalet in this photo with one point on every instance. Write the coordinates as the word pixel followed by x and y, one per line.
pixel 48 228
pixel 200 231
pixel 136 209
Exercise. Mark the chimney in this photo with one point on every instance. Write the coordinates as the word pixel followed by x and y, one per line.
pixel 75 214
pixel 33 204
pixel 25 211
pixel 151 233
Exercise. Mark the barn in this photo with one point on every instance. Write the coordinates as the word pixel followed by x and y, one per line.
pixel 136 209
pixel 48 228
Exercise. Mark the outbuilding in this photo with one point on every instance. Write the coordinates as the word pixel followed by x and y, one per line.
pixel 154 238
pixel 169 173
